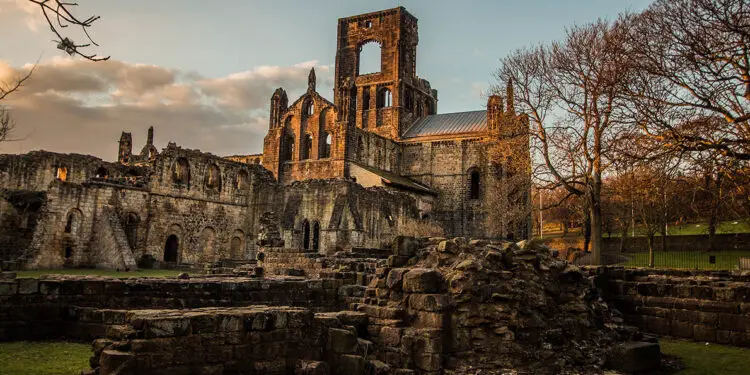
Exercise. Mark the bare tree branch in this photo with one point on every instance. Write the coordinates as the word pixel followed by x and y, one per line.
pixel 60 11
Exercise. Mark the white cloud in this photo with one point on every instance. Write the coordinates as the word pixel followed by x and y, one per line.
pixel 74 105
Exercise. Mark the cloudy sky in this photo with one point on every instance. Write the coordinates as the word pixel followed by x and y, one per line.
pixel 202 72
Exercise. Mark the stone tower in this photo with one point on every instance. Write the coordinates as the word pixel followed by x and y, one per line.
pixel 279 104
pixel 385 102
pixel 126 148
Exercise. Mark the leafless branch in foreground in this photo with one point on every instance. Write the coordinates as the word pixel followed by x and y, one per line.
pixel 60 11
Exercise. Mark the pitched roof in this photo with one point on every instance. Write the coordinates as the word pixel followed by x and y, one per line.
pixel 448 124
pixel 392 179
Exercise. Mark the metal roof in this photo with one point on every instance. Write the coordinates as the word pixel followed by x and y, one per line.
pixel 448 124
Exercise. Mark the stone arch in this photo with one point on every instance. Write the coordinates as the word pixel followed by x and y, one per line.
pixel 315 236
pixel 61 173
pixel 369 57
pixel 474 183
pixel 287 146
pixel 213 177
pixel 305 234
pixel 365 100
pixel 181 172
pixel 132 220
pixel 324 138
pixel 385 98
pixel 73 221
pixel 306 147
pixel 102 172
pixel 242 180
pixel 171 249
pixel 308 108
pixel 237 245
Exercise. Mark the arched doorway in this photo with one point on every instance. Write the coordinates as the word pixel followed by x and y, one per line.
pixel 235 248
pixel 315 236
pixel 171 248
pixel 131 229
pixel 306 235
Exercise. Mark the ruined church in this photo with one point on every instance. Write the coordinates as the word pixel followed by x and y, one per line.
pixel 343 175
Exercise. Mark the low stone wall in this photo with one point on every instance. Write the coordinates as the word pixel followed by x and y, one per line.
pixel 703 306
pixel 244 340
pixel 32 308
pixel 352 267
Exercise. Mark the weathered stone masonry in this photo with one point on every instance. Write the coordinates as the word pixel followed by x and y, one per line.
pixel 699 305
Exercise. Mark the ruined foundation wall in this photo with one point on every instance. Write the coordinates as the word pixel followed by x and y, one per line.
pixel 702 306
pixel 35 308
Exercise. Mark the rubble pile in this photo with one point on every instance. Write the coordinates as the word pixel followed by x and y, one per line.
pixel 479 307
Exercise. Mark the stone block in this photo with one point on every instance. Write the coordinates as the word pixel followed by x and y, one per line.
pixel 682 329
pixel 312 368
pixel 28 286
pixel 431 320
pixel 428 302
pixel 391 336
pixel 394 280
pixel 116 362
pixel 171 327
pixel 405 246
pixel 702 332
pixel 8 288
pixel 428 361
pixel 350 364
pixel 342 341
pixel 635 357
pixel 397 261
pixel 422 280
pixel 375 367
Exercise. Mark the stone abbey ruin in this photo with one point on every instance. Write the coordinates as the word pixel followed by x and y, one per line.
pixel 367 238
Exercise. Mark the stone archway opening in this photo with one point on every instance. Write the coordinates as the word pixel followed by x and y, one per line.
pixel 171 249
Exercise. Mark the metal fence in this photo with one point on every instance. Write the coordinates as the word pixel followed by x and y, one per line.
pixel 701 260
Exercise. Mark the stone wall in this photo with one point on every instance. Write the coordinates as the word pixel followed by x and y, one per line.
pixel 35 306
pixel 472 306
pixel 445 166
pixel 702 306
pixel 249 340
pixel 347 214
pixel 20 211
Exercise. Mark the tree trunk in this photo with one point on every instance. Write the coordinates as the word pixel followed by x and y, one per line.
pixel 651 249
pixel 711 232
pixel 663 238
pixel 623 237
pixel 586 228
pixel 596 229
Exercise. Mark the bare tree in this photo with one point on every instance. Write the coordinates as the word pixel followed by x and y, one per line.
pixel 59 16
pixel 691 90
pixel 6 89
pixel 572 92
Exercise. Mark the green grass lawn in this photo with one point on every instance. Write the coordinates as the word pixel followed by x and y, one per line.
pixel 99 272
pixel 43 358
pixel 730 226
pixel 702 359
pixel 725 260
